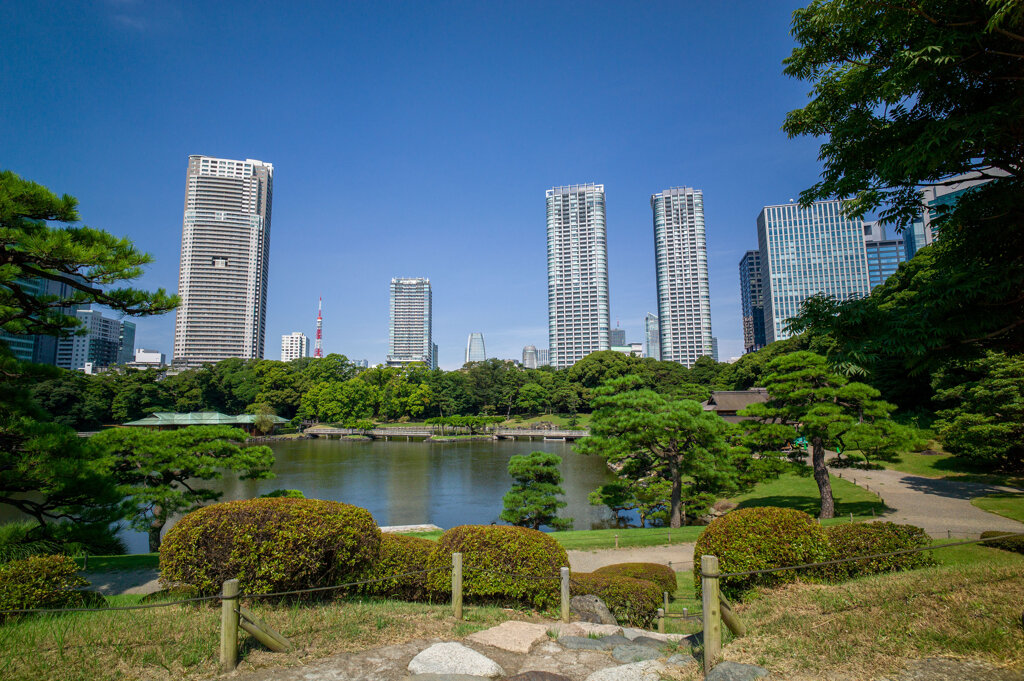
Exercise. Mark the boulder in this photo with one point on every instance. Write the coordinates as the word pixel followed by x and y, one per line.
pixel 567 629
pixel 657 644
pixel 723 506
pixel 610 642
pixel 735 671
pixel 516 637
pixel 648 670
pixel 590 608
pixel 454 658
pixel 581 643
pixel 635 653
pixel 599 629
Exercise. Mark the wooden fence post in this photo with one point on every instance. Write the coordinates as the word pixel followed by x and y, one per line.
pixel 664 599
pixel 229 626
pixel 730 618
pixel 661 620
pixel 712 612
pixel 565 594
pixel 457 584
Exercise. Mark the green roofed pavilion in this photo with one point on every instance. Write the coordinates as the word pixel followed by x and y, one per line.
pixel 167 420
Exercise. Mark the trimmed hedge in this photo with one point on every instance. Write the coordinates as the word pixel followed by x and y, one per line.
pixel 500 564
pixel 864 539
pixel 400 554
pixel 275 544
pixel 41 582
pixel 1015 544
pixel 662 575
pixel 760 538
pixel 634 601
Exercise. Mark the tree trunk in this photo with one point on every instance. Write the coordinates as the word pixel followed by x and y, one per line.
pixel 155 528
pixel 675 515
pixel 828 504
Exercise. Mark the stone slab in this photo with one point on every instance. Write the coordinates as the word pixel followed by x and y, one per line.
pixel 567 629
pixel 454 658
pixel 648 670
pixel 516 637
pixel 581 643
pixel 735 671
pixel 599 629
pixel 632 633
pixel 635 653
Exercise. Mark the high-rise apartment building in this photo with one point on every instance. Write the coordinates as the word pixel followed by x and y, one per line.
pixel 652 337
pixel 225 254
pixel 411 330
pixel 543 357
pixel 578 317
pixel 805 251
pixel 681 263
pixel 616 336
pixel 475 351
pixel 433 356
pixel 752 301
pixel 103 344
pixel 294 345
pixel 530 357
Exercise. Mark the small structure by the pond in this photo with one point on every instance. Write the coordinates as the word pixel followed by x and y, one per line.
pixel 168 420
pixel 726 403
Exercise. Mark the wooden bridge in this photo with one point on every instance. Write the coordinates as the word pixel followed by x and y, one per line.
pixel 424 432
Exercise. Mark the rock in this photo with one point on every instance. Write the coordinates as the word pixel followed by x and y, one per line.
pixel 679 660
pixel 648 670
pixel 650 642
pixel 567 629
pixel 516 637
pixel 538 676
pixel 454 658
pixel 610 642
pixel 549 648
pixel 635 653
pixel 581 643
pixel 599 629
pixel 445 677
pixel 632 634
pixel 735 671
pixel 590 608
pixel 723 506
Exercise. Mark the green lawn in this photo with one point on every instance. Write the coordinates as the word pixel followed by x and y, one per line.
pixel 944 465
pixel 560 420
pixel 1008 505
pixel 136 561
pixel 801 492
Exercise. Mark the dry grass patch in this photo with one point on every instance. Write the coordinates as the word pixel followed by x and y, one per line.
pixel 181 642
pixel 870 627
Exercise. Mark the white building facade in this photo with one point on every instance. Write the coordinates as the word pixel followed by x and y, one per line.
pixel 475 349
pixel 294 345
pixel 578 305
pixel 225 258
pixel 681 265
pixel 411 328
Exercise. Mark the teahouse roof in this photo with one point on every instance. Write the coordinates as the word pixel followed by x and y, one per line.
pixel 197 418
pixel 735 400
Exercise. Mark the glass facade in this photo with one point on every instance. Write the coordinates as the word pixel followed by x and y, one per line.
pixel 475 351
pixel 805 251
pixel 752 301
pixel 884 258
pixel 652 337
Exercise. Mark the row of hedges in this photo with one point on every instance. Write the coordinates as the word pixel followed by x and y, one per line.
pixel 1015 544
pixel 766 537
pixel 632 601
pixel 42 582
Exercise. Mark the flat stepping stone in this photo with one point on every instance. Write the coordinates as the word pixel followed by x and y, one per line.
pixel 614 640
pixel 454 658
pixel 648 670
pixel 538 676
pixel 735 671
pixel 651 642
pixel 632 633
pixel 567 629
pixel 635 653
pixel 445 677
pixel 681 660
pixel 581 643
pixel 515 637
pixel 599 629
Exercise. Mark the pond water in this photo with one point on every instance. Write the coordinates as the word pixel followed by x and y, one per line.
pixel 406 483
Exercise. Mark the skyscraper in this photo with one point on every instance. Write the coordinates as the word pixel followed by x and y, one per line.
pixel 578 318
pixel 225 253
pixel 103 344
pixel 475 351
pixel 681 263
pixel 652 336
pixel 752 301
pixel 616 336
pixel 411 331
pixel 884 255
pixel 530 357
pixel 543 357
pixel 805 251
pixel 294 345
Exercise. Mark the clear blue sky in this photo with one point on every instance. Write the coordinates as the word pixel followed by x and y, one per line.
pixel 412 139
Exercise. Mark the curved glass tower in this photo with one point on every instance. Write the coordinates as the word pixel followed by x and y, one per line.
pixel 475 351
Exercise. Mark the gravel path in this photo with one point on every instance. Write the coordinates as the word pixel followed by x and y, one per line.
pixel 123 581
pixel 680 555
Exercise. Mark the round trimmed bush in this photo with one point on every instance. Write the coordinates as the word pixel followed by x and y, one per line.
pixel 400 554
pixel 41 582
pixel 760 538
pixel 865 539
pixel 662 575
pixel 500 564
pixel 275 544
pixel 633 601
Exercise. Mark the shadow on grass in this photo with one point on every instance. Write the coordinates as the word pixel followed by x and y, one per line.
pixel 812 505
pixel 955 487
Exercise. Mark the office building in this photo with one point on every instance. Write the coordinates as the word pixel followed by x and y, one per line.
pixel 530 359
pixel 148 359
pixel 681 264
pixel 617 336
pixel 294 345
pixel 361 363
pixel 433 356
pixel 578 318
pixel 411 331
pixel 652 336
pixel 38 348
pixel 805 251
pixel 543 358
pixel 884 255
pixel 225 253
pixel 752 301
pixel 101 344
pixel 126 343
pixel 475 351
pixel 714 348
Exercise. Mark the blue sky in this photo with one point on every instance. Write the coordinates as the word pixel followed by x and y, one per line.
pixel 412 139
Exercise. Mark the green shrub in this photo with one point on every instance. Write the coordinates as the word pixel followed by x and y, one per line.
pixel 760 538
pixel 41 582
pixel 269 545
pixel 632 601
pixel 662 575
pixel 865 539
pixel 1015 544
pixel 501 564
pixel 400 554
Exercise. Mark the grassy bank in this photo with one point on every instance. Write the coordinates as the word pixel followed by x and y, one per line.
pixel 1008 505
pixel 944 465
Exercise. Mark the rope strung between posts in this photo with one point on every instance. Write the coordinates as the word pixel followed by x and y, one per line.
pixel 858 558
pixel 143 606
pixel 517 575
pixel 319 589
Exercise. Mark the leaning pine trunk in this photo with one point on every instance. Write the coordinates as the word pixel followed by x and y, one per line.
pixel 154 537
pixel 828 504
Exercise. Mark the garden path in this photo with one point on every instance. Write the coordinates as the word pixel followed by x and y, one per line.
pixel 680 555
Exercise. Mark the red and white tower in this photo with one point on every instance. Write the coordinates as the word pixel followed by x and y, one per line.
pixel 319 350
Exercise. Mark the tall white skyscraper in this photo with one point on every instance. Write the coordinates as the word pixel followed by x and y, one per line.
pixel 475 350
pixel 805 251
pixel 681 263
pixel 294 345
pixel 652 337
pixel 578 318
pixel 225 254
pixel 411 328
